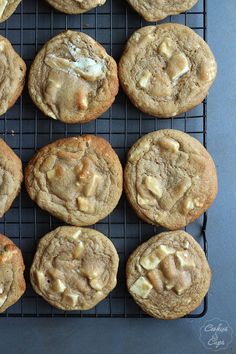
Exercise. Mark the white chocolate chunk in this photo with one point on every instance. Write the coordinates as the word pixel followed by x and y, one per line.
pixel 186 244
pixel 58 286
pixel 169 144
pixel 2 299
pixel 85 205
pixel 78 250
pixel 139 151
pixel 144 79
pixel 92 185
pixel 184 260
pixel 40 278
pixel 152 260
pixel 71 298
pixel 50 174
pixel 143 202
pixel 198 203
pixel 88 68
pixel 2 45
pixel 141 287
pixel 153 185
pixel 96 284
pixel 76 235
pixel 177 66
pixel 3 4
pixel 188 204
pixel 166 48
pixel 1 289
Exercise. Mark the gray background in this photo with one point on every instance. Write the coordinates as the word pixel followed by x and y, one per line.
pixel 61 335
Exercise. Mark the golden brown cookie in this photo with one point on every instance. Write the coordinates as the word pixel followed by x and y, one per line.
pixel 159 9
pixel 7 7
pixel 78 180
pixel 11 176
pixel 167 69
pixel 170 179
pixel 75 6
pixel 168 276
pixel 74 268
pixel 73 79
pixel 12 75
pixel 12 282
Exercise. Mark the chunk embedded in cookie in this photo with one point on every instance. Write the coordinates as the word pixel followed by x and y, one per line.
pixel 73 79
pixel 74 268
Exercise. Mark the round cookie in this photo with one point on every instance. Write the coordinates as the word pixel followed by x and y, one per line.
pixel 157 10
pixel 12 75
pixel 12 282
pixel 167 69
pixel 168 276
pixel 11 176
pixel 75 6
pixel 170 179
pixel 74 268
pixel 7 7
pixel 73 79
pixel 79 180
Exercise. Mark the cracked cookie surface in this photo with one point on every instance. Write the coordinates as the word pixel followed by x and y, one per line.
pixel 168 276
pixel 12 75
pixel 167 69
pixel 159 9
pixel 12 282
pixel 75 6
pixel 73 79
pixel 78 180
pixel 170 179
pixel 11 177
pixel 74 268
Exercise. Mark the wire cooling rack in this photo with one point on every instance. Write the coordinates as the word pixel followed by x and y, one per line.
pixel 26 129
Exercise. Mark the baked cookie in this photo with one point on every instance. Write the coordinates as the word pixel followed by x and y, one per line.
pixel 73 79
pixel 157 10
pixel 168 276
pixel 11 176
pixel 12 75
pixel 7 7
pixel 167 69
pixel 170 179
pixel 78 180
pixel 12 282
pixel 74 268
pixel 75 6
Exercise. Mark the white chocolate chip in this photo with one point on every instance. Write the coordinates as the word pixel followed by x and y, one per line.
pixel 188 204
pixel 76 235
pixel 166 48
pixel 152 260
pixel 177 66
pixel 96 284
pixel 3 4
pixel 184 260
pixel 153 185
pixel 169 144
pixel 58 286
pixel 198 203
pixel 85 205
pixel 50 174
pixel 2 45
pixel 139 150
pixel 70 298
pixel 92 185
pixel 1 289
pixel 186 244
pixel 78 250
pixel 40 278
pixel 144 79
pixel 2 299
pixel 141 287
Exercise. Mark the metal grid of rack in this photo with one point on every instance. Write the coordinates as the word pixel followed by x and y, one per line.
pixel 25 129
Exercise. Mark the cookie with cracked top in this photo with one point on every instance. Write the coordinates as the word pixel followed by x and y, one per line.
pixel 74 268
pixel 75 6
pixel 12 282
pixel 167 69
pixel 12 75
pixel 78 180
pixel 159 9
pixel 73 79
pixel 11 176
pixel 168 276
pixel 170 179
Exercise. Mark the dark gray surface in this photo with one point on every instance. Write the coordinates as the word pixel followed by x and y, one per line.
pixel 148 335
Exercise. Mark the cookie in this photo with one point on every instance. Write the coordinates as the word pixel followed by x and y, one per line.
pixel 74 268
pixel 7 7
pixel 78 180
pixel 170 179
pixel 12 282
pixel 12 75
pixel 73 79
pixel 75 6
pixel 168 276
pixel 166 70
pixel 159 9
pixel 11 176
